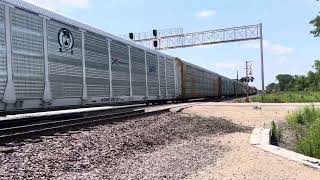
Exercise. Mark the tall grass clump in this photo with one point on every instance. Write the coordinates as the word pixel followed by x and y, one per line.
pixel 310 143
pixel 288 97
pixel 275 134
pixel 306 124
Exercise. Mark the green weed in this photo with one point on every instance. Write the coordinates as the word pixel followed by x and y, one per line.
pixel 275 134
pixel 288 97
pixel 306 124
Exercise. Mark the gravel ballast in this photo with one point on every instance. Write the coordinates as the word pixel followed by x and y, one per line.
pixel 163 146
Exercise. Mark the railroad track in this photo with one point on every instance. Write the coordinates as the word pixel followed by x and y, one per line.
pixel 28 128
pixel 15 130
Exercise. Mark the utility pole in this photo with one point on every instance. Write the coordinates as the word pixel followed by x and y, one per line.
pixel 261 57
pixel 237 75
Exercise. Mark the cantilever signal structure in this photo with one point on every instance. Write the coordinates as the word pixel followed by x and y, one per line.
pixel 175 38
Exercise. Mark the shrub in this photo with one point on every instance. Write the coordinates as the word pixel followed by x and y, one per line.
pixel 275 134
pixel 306 116
pixel 306 124
pixel 309 144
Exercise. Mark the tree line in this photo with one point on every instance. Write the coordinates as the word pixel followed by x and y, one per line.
pixel 287 82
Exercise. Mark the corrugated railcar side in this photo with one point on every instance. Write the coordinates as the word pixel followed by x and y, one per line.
pixel 48 60
pixel 227 87
pixel 196 82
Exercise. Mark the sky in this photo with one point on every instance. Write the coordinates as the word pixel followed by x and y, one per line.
pixel 288 45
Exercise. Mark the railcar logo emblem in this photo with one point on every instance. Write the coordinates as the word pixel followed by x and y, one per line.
pixel 152 69
pixel 66 40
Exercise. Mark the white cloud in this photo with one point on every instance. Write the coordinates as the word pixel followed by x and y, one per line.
pixel 227 66
pixel 271 47
pixel 205 13
pixel 283 60
pixel 56 5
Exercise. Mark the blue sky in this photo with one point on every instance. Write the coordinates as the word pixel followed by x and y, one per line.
pixel 289 47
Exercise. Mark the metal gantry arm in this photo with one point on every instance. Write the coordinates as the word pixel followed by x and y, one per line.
pixel 175 38
pixel 148 36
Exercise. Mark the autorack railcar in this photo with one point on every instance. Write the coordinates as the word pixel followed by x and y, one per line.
pixel 48 61
pixel 196 82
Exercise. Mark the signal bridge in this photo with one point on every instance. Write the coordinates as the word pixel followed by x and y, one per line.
pixel 176 38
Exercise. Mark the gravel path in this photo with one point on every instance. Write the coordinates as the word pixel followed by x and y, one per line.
pixel 166 146
pixel 244 161
pixel 244 114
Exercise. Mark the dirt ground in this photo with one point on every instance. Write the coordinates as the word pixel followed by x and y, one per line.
pixel 244 114
pixel 244 161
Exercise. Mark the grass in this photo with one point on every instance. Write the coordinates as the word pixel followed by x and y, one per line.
pixel 288 97
pixel 306 124
pixel 275 134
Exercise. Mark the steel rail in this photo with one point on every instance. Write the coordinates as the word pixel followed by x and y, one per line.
pixel 30 119
pixel 20 133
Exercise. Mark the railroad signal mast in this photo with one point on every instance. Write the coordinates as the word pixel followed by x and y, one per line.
pixel 176 38
pixel 249 77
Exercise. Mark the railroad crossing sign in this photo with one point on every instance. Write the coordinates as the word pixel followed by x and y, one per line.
pixel 115 61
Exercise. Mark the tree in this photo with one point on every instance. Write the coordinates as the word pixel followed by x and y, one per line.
pixel 285 81
pixel 272 87
pixel 314 77
pixel 309 82
pixel 300 83
pixel 316 23
pixel 316 66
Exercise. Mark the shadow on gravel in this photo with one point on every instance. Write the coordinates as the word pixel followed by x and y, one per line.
pixel 288 138
pixel 172 127
pixel 166 146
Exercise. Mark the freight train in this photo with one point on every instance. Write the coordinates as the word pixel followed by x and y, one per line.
pixel 50 61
